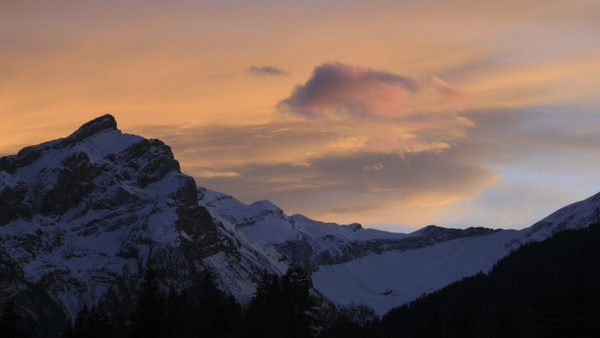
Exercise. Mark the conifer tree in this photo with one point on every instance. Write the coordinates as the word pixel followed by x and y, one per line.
pixel 10 321
pixel 148 319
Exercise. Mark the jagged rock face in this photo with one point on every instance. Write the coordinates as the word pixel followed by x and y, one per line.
pixel 60 187
pixel 87 212
pixel 150 160
pixel 97 125
pixel 12 202
pixel 73 183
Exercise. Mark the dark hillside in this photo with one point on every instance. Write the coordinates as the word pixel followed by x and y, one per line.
pixel 542 289
pixel 545 289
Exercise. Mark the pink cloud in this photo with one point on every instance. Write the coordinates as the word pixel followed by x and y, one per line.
pixel 449 93
pixel 337 88
pixel 381 109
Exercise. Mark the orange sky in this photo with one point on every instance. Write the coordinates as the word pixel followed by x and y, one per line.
pixel 393 114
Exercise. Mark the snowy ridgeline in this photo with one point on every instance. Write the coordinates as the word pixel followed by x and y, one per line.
pixel 386 269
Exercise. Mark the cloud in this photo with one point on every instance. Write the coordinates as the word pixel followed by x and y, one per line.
pixel 349 143
pixel 381 111
pixel 209 173
pixel 221 76
pixel 342 89
pixel 291 161
pixel 223 146
pixel 453 95
pixel 360 187
pixel 266 71
pixel 374 167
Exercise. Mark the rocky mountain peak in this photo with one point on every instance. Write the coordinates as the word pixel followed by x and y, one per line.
pixel 56 176
pixel 95 126
pixel 440 234
pixel 31 154
pixel 107 202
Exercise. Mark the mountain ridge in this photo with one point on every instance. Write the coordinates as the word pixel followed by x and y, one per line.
pixel 88 213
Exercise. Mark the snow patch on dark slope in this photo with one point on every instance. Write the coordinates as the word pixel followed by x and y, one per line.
pixel 87 213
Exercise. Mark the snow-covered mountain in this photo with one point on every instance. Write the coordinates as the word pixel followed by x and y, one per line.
pixel 351 265
pixel 87 213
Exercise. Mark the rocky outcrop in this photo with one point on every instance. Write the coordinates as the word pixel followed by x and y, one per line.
pixel 149 160
pixel 95 126
pixel 301 251
pixel 8 164
pixel 199 229
pixel 437 234
pixel 28 155
pixel 13 203
pixel 73 183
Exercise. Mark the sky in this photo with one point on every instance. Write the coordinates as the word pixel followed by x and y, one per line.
pixel 393 114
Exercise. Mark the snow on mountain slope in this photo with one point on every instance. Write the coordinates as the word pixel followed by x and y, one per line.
pixel 88 211
pixel 390 279
pixel 573 216
pixel 310 243
pixel 352 265
pixel 254 217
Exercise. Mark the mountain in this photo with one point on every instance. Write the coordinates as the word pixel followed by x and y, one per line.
pixel 351 265
pixel 89 213
pixel 542 289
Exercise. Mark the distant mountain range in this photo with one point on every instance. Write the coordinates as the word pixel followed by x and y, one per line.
pixel 542 289
pixel 86 214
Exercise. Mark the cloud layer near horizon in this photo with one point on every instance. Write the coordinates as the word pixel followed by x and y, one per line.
pixel 420 187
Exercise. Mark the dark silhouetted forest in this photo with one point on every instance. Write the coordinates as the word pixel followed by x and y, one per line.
pixel 278 309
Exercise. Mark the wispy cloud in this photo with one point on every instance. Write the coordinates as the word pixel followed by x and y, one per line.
pixel 209 173
pixel 374 167
pixel 266 71
pixel 450 93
